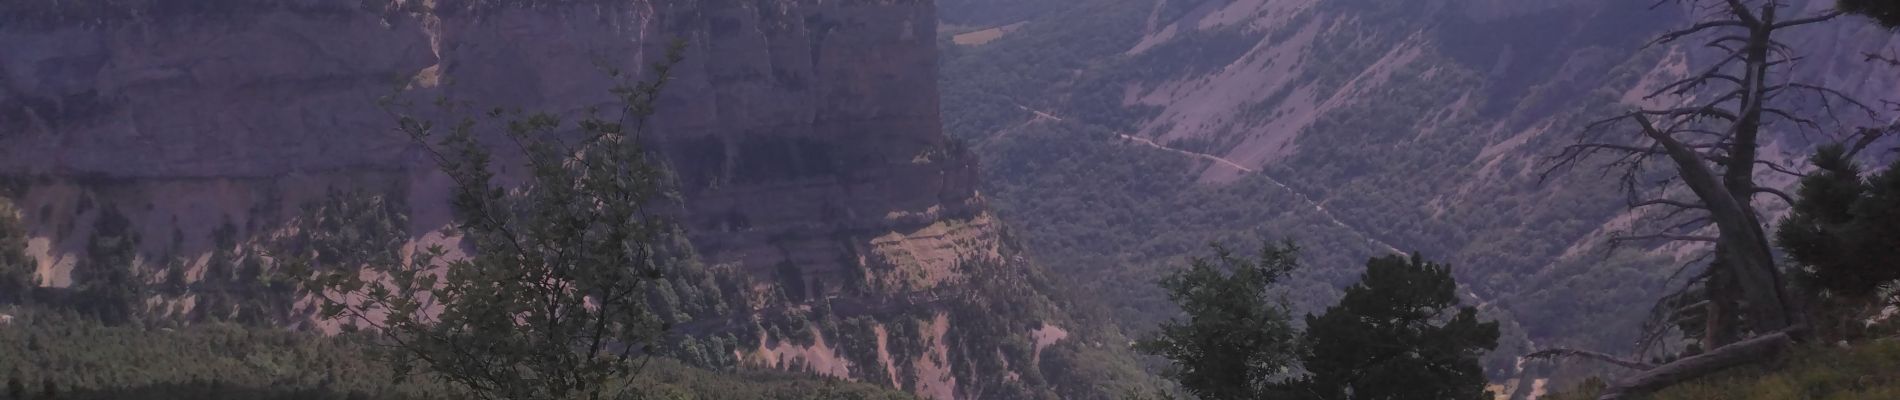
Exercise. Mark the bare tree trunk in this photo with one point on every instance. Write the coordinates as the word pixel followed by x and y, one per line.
pixel 1768 304
pixel 1712 141
pixel 1742 242
pixel 1720 318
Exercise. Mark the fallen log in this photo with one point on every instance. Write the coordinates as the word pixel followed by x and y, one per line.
pixel 1556 353
pixel 1735 354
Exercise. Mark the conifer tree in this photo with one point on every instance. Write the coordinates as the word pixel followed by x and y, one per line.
pixel 1237 337
pixel 1400 333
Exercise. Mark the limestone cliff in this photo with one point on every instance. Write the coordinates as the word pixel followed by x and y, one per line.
pixel 805 134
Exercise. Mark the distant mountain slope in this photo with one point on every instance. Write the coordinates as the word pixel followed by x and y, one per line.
pixel 1422 124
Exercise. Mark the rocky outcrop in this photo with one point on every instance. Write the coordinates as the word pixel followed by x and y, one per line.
pixel 805 133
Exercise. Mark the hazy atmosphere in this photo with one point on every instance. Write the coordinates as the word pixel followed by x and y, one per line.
pixel 950 199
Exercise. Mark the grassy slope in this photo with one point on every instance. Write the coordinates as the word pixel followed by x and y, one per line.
pixel 1867 371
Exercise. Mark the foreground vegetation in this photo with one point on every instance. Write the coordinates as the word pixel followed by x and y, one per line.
pixel 1400 333
pixel 74 357
pixel 1867 371
pixel 65 353
pixel 1864 371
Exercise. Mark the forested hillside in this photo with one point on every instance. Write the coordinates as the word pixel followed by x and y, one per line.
pixel 1117 133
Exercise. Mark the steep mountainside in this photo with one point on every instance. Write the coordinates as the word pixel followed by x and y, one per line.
pixel 805 134
pixel 1415 125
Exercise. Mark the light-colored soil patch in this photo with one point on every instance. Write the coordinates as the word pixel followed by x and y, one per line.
pixel 884 354
pixel 1045 336
pixel 1226 103
pixel 1276 138
pixel 1232 104
pixel 1493 151
pixel 1258 15
pixel 819 358
pixel 55 267
pixel 929 256
pixel 934 380
pixel 1673 67
pixel 982 37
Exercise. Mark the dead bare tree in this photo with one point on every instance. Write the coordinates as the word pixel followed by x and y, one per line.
pixel 1711 135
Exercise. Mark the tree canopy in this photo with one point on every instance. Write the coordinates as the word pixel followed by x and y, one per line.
pixel 108 278
pixel 1399 333
pixel 1238 336
pixel 1842 232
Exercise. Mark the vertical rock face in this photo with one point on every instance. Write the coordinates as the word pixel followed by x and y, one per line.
pixel 805 132
pixel 801 130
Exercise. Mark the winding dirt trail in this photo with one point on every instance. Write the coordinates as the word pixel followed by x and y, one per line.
pixel 1204 156
pixel 1302 197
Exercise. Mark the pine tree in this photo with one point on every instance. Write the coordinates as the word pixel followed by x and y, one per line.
pixel 16 390
pixel 1238 337
pixel 1842 235
pixel 17 271
pixel 108 277
pixel 1399 333
pixel 1887 12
